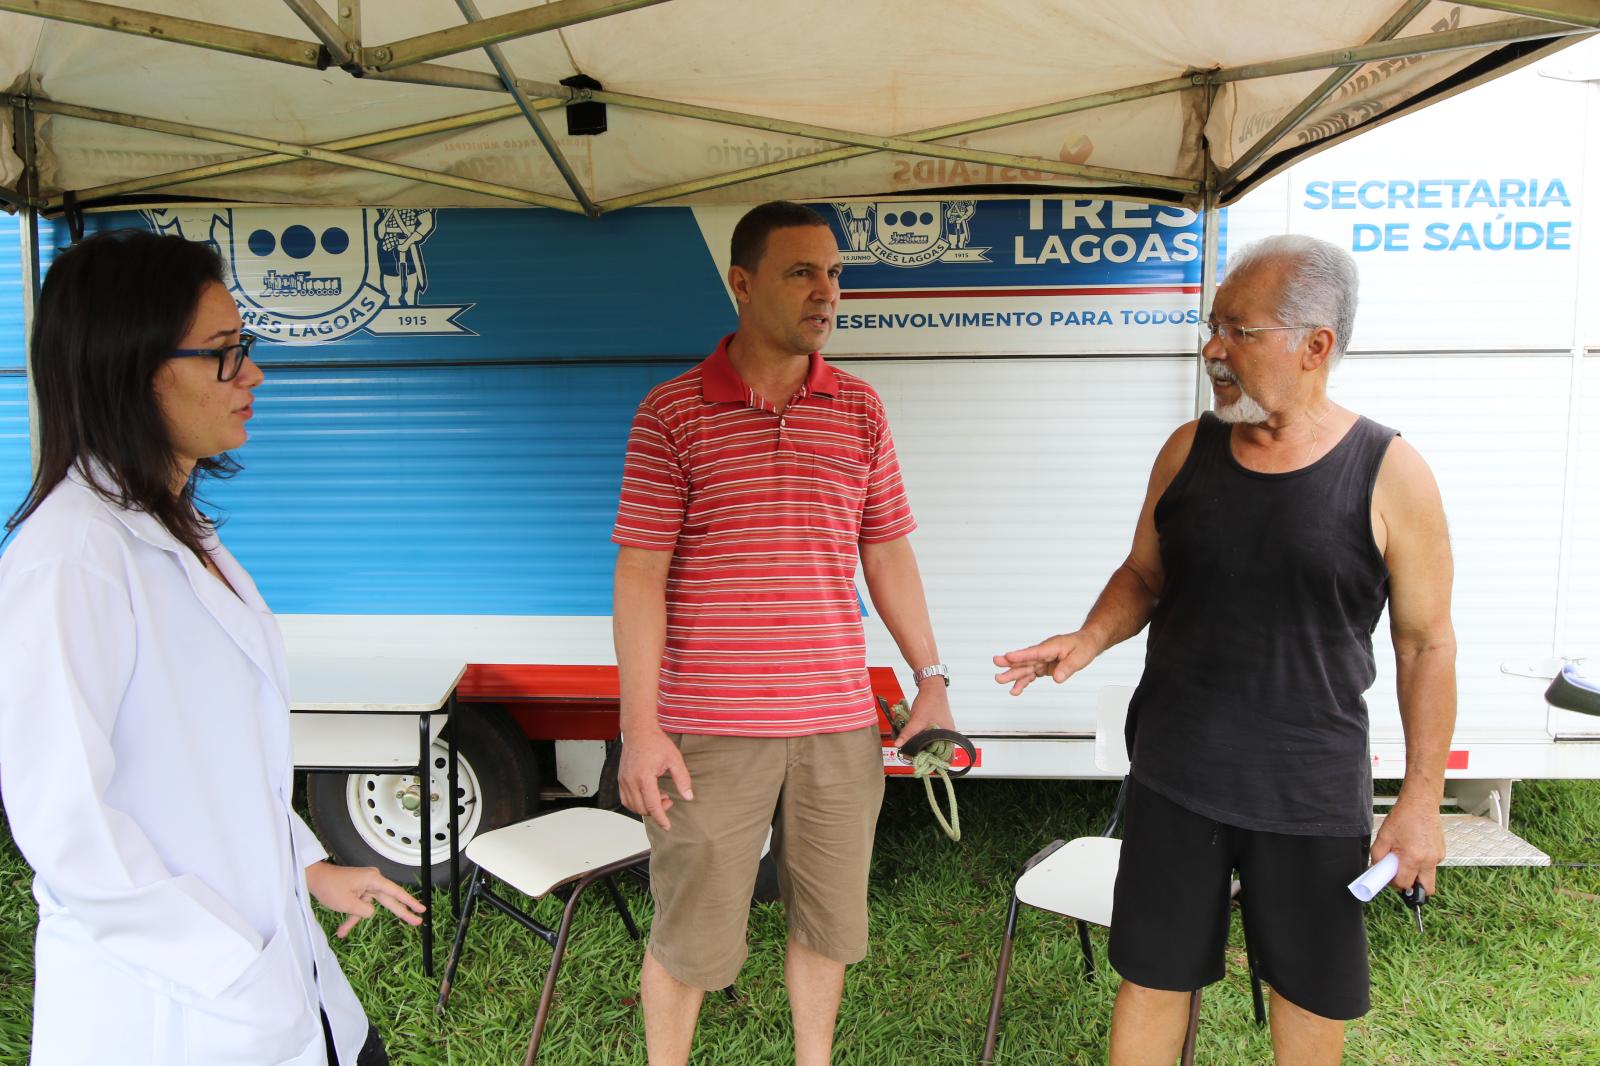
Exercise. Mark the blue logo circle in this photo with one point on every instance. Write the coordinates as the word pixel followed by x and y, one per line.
pixel 262 242
pixel 298 242
pixel 890 219
pixel 927 218
pixel 335 240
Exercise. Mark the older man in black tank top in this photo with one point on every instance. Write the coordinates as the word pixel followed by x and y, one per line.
pixel 1273 533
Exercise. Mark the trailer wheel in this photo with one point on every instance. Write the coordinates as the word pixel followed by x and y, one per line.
pixel 373 819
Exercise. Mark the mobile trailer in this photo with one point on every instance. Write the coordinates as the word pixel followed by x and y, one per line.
pixel 438 475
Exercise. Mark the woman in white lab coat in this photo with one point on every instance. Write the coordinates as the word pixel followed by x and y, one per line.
pixel 144 726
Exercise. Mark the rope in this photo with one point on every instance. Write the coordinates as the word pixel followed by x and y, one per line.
pixel 931 761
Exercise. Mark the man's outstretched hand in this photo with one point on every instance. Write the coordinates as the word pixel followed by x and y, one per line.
pixel 1059 658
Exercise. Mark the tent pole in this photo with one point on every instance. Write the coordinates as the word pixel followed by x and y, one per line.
pixel 1208 292
pixel 833 155
pixel 916 144
pixel 340 46
pixel 1210 224
pixel 320 155
pixel 449 78
pixel 25 139
pixel 1267 141
pixel 1585 320
pixel 1575 12
pixel 506 27
pixel 350 20
pixel 159 27
pixel 260 162
pixel 525 103
pixel 544 96
pixel 1487 35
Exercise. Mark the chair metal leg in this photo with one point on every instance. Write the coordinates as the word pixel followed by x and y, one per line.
pixel 1193 1030
pixel 1088 950
pixel 1256 1000
pixel 622 906
pixel 992 1033
pixel 1250 965
pixel 425 852
pixel 558 950
pixel 476 887
pixel 452 775
pixel 1004 969
pixel 1116 810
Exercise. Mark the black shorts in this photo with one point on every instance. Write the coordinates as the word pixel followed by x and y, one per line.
pixel 1171 909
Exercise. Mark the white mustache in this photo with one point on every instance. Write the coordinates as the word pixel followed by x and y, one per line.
pixel 1221 374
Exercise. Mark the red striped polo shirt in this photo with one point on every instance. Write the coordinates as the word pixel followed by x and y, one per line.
pixel 764 515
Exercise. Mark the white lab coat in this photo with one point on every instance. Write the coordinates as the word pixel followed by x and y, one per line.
pixel 146 774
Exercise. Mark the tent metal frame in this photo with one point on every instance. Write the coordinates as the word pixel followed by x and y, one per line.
pixel 338 43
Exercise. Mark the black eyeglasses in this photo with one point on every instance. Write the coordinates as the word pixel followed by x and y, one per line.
pixel 230 357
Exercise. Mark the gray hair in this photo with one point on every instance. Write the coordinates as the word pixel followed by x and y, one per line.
pixel 1320 283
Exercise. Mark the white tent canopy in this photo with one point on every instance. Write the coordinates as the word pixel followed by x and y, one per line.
pixel 459 103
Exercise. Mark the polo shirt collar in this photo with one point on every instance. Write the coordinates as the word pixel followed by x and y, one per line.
pixel 720 382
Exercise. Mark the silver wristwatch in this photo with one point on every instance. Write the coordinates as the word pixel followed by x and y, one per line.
pixel 936 670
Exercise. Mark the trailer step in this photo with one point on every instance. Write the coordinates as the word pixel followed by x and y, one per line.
pixel 1471 840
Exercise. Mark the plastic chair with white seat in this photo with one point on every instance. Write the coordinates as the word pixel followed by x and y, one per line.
pixel 1076 878
pixel 569 849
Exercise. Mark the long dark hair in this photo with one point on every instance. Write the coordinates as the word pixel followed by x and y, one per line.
pixel 112 310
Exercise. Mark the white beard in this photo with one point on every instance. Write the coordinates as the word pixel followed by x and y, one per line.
pixel 1244 410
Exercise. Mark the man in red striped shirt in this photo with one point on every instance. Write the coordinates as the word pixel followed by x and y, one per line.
pixel 753 485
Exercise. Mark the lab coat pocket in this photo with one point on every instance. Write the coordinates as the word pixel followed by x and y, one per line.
pixel 125 1021
pixel 263 1017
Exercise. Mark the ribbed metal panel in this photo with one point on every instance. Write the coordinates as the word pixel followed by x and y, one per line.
pixel 1583 593
pixel 1026 478
pixel 1494 431
pixel 422 490
pixel 16 462
pixel 12 355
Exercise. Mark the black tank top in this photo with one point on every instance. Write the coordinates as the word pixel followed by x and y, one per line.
pixel 1250 709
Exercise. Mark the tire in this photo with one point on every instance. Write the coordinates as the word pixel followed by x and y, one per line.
pixel 607 795
pixel 362 820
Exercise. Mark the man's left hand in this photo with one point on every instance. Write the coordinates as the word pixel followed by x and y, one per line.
pixel 1415 833
pixel 930 710
pixel 354 890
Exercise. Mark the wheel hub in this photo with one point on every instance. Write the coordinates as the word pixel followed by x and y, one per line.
pixel 386 809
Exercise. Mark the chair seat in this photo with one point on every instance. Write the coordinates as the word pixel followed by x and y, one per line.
pixel 539 854
pixel 1075 880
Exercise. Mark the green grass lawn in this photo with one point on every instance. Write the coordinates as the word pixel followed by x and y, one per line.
pixel 1508 971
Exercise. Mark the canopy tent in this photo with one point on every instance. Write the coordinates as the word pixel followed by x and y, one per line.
pixel 441 103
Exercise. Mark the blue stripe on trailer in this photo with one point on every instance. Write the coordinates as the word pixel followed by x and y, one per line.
pixel 434 490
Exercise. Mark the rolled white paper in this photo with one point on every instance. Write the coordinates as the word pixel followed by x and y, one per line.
pixel 1377 876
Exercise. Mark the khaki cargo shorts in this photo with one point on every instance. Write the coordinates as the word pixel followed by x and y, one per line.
pixel 819 794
